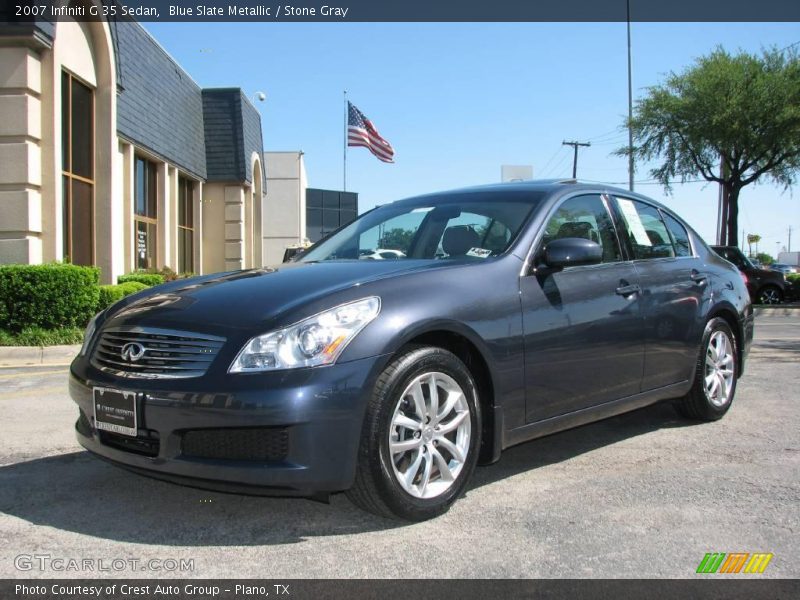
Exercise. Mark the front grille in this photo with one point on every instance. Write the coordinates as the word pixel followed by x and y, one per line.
pixel 145 443
pixel 166 353
pixel 265 444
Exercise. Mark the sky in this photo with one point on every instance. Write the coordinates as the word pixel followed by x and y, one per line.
pixel 457 101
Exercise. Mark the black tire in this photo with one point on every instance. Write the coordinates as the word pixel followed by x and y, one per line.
pixel 376 488
pixel 770 294
pixel 697 404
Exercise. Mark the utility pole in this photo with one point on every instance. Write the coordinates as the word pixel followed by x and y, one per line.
pixel 789 248
pixel 630 100
pixel 575 159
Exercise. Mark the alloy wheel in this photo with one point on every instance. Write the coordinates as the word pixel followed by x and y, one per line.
pixel 770 296
pixel 429 436
pixel 719 371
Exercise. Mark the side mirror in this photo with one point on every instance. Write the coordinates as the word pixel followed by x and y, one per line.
pixel 570 252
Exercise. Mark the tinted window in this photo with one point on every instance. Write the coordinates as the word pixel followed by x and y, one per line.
pixel 584 217
pixel 737 258
pixel 680 237
pixel 647 233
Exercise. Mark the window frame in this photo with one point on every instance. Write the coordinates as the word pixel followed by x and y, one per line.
pixel 531 263
pixel 147 220
pixel 186 185
pixel 67 166
pixel 661 212
pixel 692 252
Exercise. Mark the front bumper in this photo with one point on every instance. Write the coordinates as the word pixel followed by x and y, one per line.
pixel 315 414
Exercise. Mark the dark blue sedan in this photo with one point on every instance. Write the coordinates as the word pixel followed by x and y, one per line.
pixel 509 312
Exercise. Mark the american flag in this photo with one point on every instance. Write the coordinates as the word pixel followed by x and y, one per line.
pixel 361 132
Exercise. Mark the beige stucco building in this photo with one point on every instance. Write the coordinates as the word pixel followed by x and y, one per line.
pixel 111 155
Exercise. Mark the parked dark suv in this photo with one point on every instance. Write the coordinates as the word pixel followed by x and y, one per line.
pixel 515 311
pixel 765 286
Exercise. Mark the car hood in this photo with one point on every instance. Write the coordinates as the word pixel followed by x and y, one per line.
pixel 247 299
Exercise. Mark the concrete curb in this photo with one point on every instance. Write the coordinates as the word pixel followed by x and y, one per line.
pixel 32 356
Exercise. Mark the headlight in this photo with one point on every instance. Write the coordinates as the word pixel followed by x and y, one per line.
pixel 318 340
pixel 89 333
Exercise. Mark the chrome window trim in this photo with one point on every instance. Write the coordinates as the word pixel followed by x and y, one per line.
pixel 661 210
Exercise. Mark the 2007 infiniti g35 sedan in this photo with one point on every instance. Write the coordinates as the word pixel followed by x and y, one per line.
pixel 510 312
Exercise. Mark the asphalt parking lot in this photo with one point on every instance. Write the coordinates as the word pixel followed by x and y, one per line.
pixel 641 495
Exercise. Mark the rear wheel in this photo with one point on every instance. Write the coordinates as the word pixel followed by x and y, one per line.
pixel 420 438
pixel 770 294
pixel 715 375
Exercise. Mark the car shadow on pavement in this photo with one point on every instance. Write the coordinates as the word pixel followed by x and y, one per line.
pixel 568 444
pixel 79 493
pixel 778 350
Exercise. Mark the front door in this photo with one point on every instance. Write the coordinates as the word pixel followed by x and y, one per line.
pixel 583 325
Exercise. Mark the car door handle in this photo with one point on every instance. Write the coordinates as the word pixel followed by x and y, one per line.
pixel 626 289
pixel 697 276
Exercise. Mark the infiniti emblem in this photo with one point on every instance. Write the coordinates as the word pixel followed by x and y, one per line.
pixel 132 351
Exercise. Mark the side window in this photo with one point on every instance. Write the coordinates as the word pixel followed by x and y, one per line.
pixel 585 217
pixel 680 237
pixel 646 231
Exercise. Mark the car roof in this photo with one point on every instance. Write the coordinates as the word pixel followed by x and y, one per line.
pixel 547 187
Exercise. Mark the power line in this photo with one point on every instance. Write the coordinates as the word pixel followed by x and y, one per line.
pixel 555 165
pixel 616 132
pixel 547 164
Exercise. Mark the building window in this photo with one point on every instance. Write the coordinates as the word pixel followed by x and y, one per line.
pixel 185 225
pixel 327 210
pixel 77 173
pixel 145 212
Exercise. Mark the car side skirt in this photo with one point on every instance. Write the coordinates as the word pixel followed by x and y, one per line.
pixel 595 413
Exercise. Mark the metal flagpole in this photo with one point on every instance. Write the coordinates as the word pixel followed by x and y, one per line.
pixel 344 152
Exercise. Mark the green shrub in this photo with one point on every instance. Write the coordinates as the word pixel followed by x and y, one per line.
pixel 170 275
pixel 35 336
pixel 149 279
pixel 48 296
pixel 109 294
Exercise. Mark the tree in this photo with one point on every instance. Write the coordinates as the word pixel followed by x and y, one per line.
pixel 396 239
pixel 752 238
pixel 730 119
pixel 764 258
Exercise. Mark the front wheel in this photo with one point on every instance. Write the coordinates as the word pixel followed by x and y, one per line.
pixel 715 375
pixel 420 437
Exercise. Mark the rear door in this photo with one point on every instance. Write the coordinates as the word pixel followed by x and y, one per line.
pixel 674 289
pixel 583 324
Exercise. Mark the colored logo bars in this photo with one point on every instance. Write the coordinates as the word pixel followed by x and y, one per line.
pixel 734 562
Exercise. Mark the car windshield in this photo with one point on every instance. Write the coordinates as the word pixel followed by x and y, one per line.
pixel 466 226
